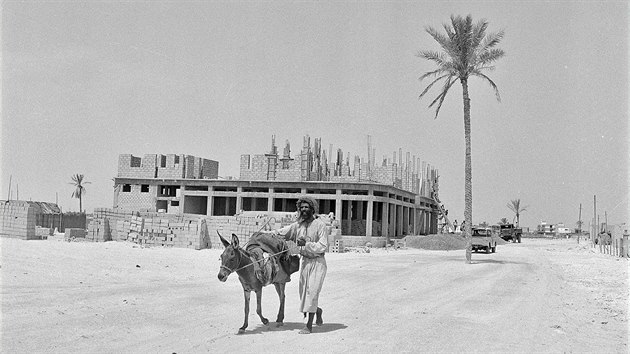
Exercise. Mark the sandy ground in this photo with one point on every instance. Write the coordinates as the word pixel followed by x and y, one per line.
pixel 538 296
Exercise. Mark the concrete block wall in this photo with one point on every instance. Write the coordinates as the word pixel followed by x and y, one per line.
pixel 18 220
pixel 383 174
pixel 171 166
pixel 200 168
pixel 209 169
pixel 193 167
pixel 254 168
pixel 292 173
pixel 135 167
pixel 137 200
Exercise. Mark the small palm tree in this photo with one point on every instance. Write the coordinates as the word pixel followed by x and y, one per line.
pixel 515 206
pixel 504 221
pixel 579 224
pixel 78 182
pixel 467 51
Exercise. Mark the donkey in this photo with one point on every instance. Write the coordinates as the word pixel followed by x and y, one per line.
pixel 238 260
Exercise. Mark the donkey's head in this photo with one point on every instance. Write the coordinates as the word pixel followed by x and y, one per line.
pixel 230 258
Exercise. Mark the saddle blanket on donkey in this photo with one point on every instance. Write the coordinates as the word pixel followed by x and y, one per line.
pixel 272 262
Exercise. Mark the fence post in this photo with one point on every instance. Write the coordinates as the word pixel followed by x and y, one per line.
pixel 624 248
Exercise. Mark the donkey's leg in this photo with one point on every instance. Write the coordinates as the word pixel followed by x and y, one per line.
pixel 259 306
pixel 245 323
pixel 280 291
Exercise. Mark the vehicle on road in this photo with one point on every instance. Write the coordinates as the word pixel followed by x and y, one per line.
pixel 508 232
pixel 482 240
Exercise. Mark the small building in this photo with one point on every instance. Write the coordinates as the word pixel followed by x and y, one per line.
pixel 546 228
pixel 561 230
pixel 28 220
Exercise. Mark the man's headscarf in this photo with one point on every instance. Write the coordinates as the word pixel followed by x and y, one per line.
pixel 312 202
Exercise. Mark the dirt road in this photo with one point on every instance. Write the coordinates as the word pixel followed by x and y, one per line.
pixel 537 296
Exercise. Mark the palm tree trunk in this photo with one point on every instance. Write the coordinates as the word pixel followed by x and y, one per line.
pixel 80 204
pixel 468 174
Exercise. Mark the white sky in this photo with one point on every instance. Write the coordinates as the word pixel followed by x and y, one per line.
pixel 83 82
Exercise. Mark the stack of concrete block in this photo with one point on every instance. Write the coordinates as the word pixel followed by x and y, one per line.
pixel 98 230
pixel 18 220
pixel 338 247
pixel 42 233
pixel 73 233
pixel 399 243
pixel 156 232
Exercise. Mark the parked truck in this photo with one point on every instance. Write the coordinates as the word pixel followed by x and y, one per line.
pixel 508 232
pixel 482 240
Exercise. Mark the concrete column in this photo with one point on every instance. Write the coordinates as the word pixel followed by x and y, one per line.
pixel 400 219
pixel 394 222
pixel 405 220
pixel 338 206
pixel 385 221
pixel 369 219
pixel 210 208
pixel 239 199
pixel 270 200
pixel 412 220
pixel 227 206
pixel 182 200
pixel 339 209
pixel 359 210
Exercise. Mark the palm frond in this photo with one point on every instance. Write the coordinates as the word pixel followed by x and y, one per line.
pixel 492 84
pixel 431 73
pixel 438 58
pixel 490 56
pixel 492 39
pixel 431 85
pixel 479 32
pixel 442 40
pixel 447 85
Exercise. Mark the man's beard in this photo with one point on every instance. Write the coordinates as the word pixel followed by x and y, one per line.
pixel 305 216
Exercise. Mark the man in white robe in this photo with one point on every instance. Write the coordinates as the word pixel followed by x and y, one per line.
pixel 311 236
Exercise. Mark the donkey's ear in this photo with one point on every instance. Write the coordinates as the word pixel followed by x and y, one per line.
pixel 234 241
pixel 223 241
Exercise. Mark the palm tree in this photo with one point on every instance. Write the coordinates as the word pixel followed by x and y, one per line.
pixel 515 206
pixel 78 182
pixel 467 51
pixel 579 224
pixel 504 221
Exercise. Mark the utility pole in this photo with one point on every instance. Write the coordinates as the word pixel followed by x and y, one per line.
pixel 580 220
pixel 595 221
pixel 9 192
pixel 579 224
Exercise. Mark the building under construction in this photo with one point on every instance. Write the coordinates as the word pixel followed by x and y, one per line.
pixel 392 198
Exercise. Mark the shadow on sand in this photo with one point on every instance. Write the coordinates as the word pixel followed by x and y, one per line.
pixel 295 326
pixel 494 261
